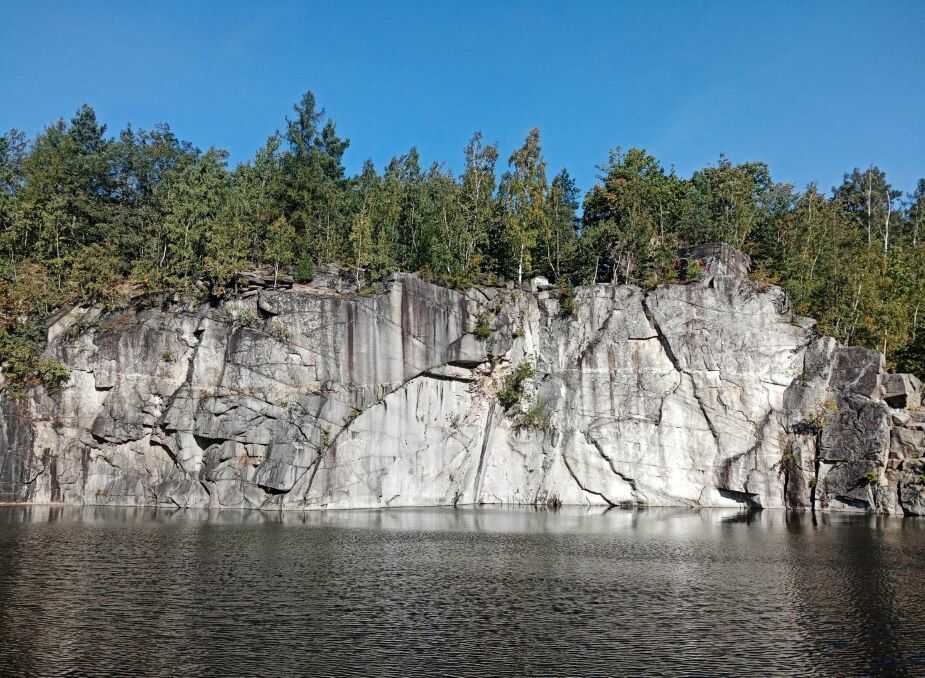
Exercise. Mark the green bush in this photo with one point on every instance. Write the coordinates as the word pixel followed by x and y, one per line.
pixel 51 373
pixel 693 270
pixel 567 306
pixel 763 279
pixel 482 328
pixel 245 316
pixel 305 269
pixel 279 330
pixel 535 418
pixel 513 389
pixel 25 366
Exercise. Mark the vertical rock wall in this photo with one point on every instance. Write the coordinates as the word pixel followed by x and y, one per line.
pixel 710 393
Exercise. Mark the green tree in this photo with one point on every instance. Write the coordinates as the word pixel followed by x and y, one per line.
pixel 632 218
pixel 477 203
pixel 523 195
pixel 193 197
pixel 917 213
pixel 66 188
pixel 361 240
pixel 558 237
pixel 868 200
pixel 729 201
pixel 280 245
pixel 313 184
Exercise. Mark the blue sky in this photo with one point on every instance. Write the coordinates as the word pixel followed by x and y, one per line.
pixel 813 89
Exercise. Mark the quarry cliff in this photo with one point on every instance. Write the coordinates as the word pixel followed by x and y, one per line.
pixel 707 393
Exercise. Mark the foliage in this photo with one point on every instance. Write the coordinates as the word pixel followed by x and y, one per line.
pixel 482 327
pixel 693 270
pixel 819 418
pixel 90 217
pixel 241 316
pixel 537 418
pixel 279 330
pixel 305 269
pixel 763 279
pixel 567 305
pixel 513 388
pixel 280 245
pixel 23 365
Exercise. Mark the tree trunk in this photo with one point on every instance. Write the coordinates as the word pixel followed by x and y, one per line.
pixel 520 266
pixel 886 226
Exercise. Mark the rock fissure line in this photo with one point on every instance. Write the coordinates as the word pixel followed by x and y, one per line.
pixel 486 434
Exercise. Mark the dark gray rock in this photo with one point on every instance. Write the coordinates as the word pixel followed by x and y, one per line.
pixel 902 390
pixel 912 488
pixel 857 370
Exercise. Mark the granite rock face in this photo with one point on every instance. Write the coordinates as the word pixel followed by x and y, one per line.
pixel 709 393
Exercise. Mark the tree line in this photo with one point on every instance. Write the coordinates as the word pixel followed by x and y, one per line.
pixel 87 217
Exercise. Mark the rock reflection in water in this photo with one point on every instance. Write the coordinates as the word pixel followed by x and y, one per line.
pixel 102 591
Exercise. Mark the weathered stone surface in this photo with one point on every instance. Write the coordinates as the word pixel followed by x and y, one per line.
pixel 907 443
pixel 19 466
pixel 902 390
pixel 857 370
pixel 912 488
pixel 710 393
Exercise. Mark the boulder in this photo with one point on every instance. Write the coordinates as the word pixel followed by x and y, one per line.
pixel 912 488
pixel 902 391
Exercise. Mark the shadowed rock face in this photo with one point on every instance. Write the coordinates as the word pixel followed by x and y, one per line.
pixel 709 393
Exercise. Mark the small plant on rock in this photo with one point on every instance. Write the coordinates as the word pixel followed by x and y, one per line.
pixel 279 330
pixel 242 316
pixel 787 455
pixel 513 389
pixel 482 328
pixel 820 416
pixel 693 270
pixel 536 418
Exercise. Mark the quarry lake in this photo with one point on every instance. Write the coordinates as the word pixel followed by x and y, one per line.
pixel 475 592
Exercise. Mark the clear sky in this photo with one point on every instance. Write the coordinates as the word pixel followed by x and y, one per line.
pixel 812 88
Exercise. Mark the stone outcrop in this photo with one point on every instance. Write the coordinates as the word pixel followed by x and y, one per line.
pixel 708 393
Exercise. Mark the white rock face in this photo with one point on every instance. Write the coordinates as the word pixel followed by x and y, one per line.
pixel 708 393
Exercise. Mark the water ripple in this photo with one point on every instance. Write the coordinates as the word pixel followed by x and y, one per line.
pixel 473 592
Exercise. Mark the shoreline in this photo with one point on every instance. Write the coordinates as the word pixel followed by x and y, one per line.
pixel 537 508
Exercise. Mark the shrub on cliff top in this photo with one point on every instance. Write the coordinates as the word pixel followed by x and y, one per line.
pixel 305 269
pixel 567 305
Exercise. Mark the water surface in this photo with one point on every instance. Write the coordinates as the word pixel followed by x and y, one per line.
pixel 107 592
